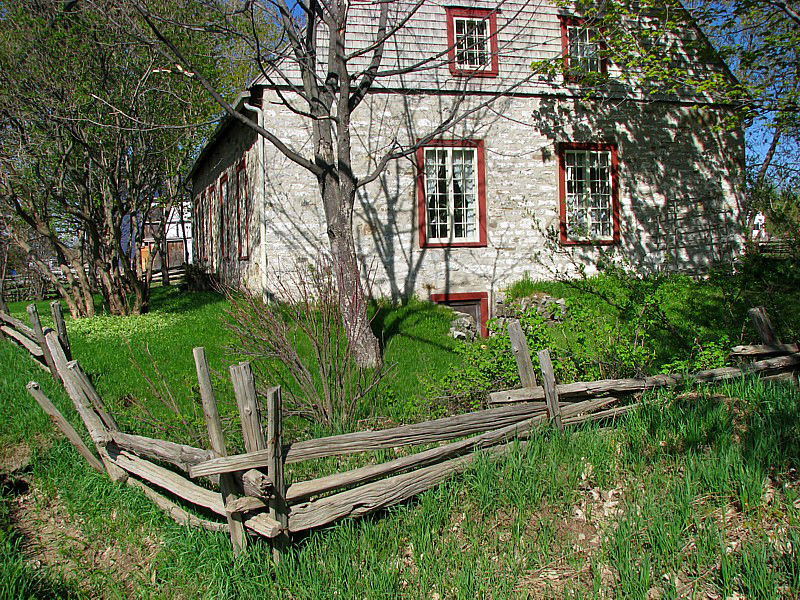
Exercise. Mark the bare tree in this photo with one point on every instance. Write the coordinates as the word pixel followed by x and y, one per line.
pixel 326 80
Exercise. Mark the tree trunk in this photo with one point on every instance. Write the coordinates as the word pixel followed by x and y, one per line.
pixel 3 305
pixel 352 296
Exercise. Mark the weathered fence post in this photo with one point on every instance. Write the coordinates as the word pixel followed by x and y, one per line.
pixel 550 390
pixel 227 483
pixel 61 327
pixel 253 435
pixel 519 346
pixel 94 398
pixel 36 324
pixel 68 430
pixel 763 326
pixel 277 504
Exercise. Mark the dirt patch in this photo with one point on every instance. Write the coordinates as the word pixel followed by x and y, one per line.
pixel 56 540
pixel 14 458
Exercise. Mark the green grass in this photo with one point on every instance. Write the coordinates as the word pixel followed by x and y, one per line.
pixel 696 491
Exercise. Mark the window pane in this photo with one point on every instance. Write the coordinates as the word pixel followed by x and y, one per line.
pixel 451 194
pixel 588 194
pixel 472 43
pixel 436 180
pixel 584 50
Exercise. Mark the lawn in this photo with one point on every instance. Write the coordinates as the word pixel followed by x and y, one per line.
pixel 697 494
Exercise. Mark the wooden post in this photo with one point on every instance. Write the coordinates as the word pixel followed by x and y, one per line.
pixel 61 327
pixel 763 326
pixel 249 411
pixel 250 415
pixel 550 391
pixel 519 346
pixel 94 424
pixel 36 324
pixel 64 425
pixel 277 504
pixel 228 486
pixel 82 379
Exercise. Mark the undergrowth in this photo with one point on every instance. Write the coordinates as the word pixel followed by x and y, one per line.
pixel 620 324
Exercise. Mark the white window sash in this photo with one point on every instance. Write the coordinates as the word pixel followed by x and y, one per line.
pixel 471 207
pixel 583 48
pixel 475 30
pixel 586 201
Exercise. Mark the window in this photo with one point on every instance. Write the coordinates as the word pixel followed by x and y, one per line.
pixel 451 191
pixel 242 211
pixel 223 207
pixel 589 193
pixel 472 42
pixel 475 304
pixel 203 223
pixel 210 228
pixel 582 49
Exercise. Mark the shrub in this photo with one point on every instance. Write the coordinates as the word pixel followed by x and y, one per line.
pixel 299 342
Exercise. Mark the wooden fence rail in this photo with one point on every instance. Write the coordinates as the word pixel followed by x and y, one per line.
pixel 251 492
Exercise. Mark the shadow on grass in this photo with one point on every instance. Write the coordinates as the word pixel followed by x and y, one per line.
pixel 772 435
pixel 18 577
pixel 172 300
pixel 413 320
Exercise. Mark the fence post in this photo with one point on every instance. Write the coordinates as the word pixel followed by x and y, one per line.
pixel 36 324
pixel 249 411
pixel 61 327
pixel 277 504
pixel 550 391
pixel 82 379
pixel 227 483
pixel 763 326
pixel 519 346
pixel 66 428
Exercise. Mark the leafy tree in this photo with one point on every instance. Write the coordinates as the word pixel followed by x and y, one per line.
pixel 93 137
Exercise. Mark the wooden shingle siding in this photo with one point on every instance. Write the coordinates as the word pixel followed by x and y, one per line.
pixel 527 31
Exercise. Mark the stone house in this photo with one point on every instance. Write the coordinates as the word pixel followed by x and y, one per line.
pixel 543 174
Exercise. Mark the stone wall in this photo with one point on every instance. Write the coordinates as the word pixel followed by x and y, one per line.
pixel 679 181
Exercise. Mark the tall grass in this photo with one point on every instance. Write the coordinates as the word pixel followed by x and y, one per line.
pixel 696 492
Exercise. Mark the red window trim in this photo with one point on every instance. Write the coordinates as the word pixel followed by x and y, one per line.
pixel 472 13
pixel 243 249
pixel 482 296
pixel 204 225
pixel 223 247
pixel 562 185
pixel 210 197
pixel 422 209
pixel 576 22
pixel 197 216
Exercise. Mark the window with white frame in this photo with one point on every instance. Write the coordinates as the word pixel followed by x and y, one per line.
pixel 472 41
pixel 582 49
pixel 242 212
pixel 223 220
pixel 589 210
pixel 452 194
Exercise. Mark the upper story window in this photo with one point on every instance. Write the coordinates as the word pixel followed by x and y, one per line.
pixel 452 193
pixel 589 186
pixel 582 49
pixel 472 42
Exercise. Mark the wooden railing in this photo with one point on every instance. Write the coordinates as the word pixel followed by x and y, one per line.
pixel 251 493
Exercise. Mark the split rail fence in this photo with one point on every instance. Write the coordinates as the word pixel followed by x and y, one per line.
pixel 252 495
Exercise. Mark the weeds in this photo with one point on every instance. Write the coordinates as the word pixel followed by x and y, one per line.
pixel 300 343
